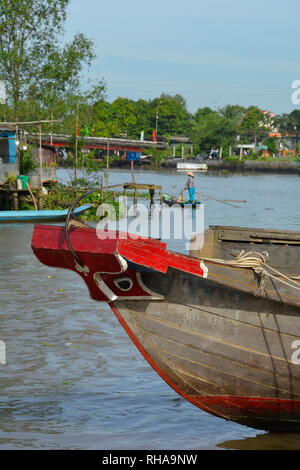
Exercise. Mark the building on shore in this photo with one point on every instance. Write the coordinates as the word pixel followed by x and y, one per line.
pixel 8 152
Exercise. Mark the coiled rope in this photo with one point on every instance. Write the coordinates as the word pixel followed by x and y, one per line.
pixel 257 261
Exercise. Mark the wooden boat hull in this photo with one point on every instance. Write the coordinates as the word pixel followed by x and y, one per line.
pixel 214 349
pixel 210 331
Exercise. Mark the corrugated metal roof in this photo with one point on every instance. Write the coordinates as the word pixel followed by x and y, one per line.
pixel 5 128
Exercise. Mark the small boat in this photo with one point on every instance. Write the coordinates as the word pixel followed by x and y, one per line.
pixel 39 215
pixel 221 325
pixel 172 201
pixel 185 166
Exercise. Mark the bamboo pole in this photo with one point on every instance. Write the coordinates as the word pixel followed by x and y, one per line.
pixel 101 189
pixel 33 198
pixel 27 122
pixel 51 138
pixel 132 171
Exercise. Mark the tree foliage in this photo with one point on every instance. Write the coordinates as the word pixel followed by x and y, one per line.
pixel 37 68
pixel 43 76
pixel 212 129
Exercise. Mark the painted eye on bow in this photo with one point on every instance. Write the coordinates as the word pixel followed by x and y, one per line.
pixel 124 283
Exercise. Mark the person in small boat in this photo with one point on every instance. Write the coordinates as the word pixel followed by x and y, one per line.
pixel 190 186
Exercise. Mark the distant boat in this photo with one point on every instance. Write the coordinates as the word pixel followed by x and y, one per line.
pixel 185 166
pixel 39 215
pixel 170 201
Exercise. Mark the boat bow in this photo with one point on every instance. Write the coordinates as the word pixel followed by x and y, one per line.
pixel 110 262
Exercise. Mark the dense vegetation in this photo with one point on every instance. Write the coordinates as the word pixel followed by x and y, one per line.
pixel 43 78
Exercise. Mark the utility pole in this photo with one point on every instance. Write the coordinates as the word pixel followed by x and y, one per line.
pixel 51 137
pixel 156 121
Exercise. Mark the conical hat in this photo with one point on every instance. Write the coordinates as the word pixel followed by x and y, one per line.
pixel 190 173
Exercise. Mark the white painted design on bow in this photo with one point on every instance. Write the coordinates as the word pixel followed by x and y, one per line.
pixel 204 269
pixel 121 279
pixel 123 265
pixel 111 296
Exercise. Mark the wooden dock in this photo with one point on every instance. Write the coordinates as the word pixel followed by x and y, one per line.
pixel 14 194
pixel 10 196
pixel 148 187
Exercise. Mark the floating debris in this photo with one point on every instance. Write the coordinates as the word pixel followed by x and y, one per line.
pixel 46 344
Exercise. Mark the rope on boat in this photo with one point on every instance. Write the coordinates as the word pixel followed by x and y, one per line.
pixel 257 261
pixel 67 226
pixel 71 216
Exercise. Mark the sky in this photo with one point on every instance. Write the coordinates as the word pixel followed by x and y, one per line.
pixel 212 52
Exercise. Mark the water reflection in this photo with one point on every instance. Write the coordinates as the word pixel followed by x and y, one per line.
pixel 269 441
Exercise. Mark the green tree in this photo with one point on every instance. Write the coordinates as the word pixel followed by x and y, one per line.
pixel 203 114
pixel 33 63
pixel 170 115
pixel 213 131
pixel 289 125
pixel 123 117
pixel 254 126
pixel 144 119
pixel 252 119
pixel 271 143
pixel 27 161
pixel 234 112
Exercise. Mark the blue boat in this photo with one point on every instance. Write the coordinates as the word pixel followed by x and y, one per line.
pixel 171 201
pixel 39 215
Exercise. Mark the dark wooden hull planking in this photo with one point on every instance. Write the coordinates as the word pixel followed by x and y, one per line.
pixel 214 333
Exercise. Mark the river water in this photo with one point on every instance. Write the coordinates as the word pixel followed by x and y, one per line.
pixel 73 379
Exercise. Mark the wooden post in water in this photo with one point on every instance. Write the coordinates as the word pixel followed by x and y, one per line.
pixel 15 201
pixel 132 171
pixel 41 199
pixel 151 194
pixel 101 190
pixel 32 196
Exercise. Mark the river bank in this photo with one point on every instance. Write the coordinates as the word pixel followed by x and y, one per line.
pixel 280 166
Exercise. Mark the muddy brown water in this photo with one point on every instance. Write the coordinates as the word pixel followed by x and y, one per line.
pixel 74 380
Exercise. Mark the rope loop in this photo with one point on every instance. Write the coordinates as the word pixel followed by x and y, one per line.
pixel 257 262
